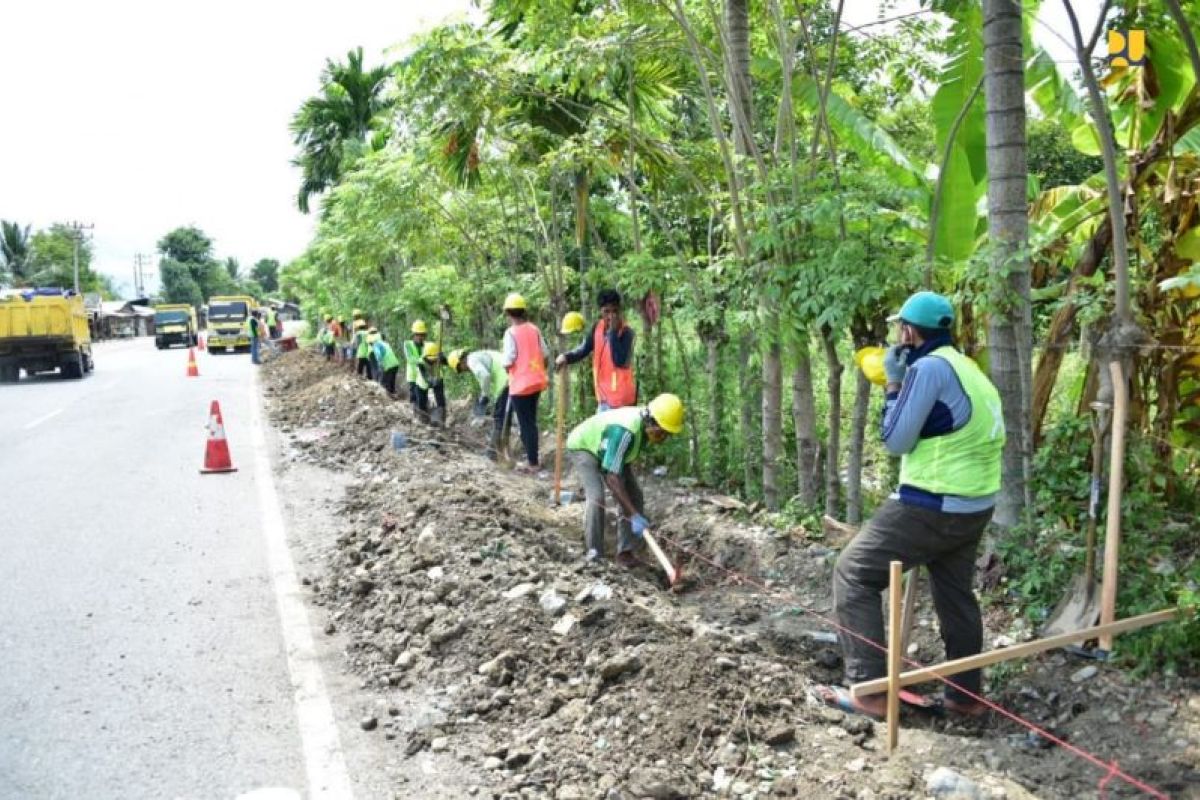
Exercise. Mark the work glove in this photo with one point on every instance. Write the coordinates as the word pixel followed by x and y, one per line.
pixel 895 363
pixel 639 525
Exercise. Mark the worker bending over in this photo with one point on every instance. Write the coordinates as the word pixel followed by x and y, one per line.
pixel 389 365
pixel 602 449
pixel 525 359
pixel 610 344
pixel 942 417
pixel 488 368
pixel 429 378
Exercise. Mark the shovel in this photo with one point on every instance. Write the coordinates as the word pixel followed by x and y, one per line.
pixel 1080 606
pixel 674 574
pixel 560 433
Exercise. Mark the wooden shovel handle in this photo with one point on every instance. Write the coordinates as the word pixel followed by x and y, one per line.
pixel 668 567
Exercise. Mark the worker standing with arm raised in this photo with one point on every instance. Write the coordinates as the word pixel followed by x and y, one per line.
pixel 488 368
pixel 610 344
pixel 525 359
pixel 602 449
pixel 942 417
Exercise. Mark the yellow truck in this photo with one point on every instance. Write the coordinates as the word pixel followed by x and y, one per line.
pixel 43 330
pixel 229 323
pixel 174 323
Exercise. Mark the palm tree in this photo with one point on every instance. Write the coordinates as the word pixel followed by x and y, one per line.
pixel 337 123
pixel 14 250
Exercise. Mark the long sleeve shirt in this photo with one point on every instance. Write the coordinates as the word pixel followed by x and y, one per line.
pixel 510 347
pixel 620 344
pixel 931 402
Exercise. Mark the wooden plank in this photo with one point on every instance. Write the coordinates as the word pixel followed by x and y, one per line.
pixel 1116 481
pixel 911 585
pixel 895 650
pixel 948 668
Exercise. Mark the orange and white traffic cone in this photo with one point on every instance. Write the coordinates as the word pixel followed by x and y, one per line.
pixel 216 452
pixel 200 343
pixel 193 371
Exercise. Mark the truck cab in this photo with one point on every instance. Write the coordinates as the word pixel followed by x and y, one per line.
pixel 174 324
pixel 229 323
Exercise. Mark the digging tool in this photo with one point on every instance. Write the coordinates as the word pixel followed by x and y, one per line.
pixel 438 415
pixel 1080 606
pixel 560 424
pixel 502 451
pixel 674 574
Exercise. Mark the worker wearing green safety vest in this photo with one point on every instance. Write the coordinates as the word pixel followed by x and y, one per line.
pixel 362 363
pixel 488 368
pixel 389 365
pixel 271 323
pixel 602 449
pixel 326 338
pixel 942 416
pixel 412 360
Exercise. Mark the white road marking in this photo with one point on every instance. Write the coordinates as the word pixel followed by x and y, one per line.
pixel 323 757
pixel 42 419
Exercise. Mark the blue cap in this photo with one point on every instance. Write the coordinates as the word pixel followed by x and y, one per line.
pixel 926 310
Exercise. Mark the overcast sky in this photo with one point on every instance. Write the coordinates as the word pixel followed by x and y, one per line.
pixel 139 116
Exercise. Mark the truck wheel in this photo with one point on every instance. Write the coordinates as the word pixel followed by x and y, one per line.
pixel 73 367
pixel 89 364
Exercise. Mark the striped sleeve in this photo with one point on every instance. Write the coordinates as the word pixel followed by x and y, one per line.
pixel 615 444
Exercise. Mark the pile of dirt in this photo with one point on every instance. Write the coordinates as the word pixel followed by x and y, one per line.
pixel 562 679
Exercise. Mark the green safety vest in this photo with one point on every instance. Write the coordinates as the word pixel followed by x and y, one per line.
pixel 588 434
pixel 326 337
pixel 966 462
pixel 360 343
pixel 499 373
pixel 389 360
pixel 412 359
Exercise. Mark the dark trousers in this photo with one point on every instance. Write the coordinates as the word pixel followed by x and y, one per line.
pixel 420 397
pixel 525 409
pixel 363 367
pixel 944 543
pixel 389 379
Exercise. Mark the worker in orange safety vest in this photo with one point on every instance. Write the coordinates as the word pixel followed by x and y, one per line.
pixel 525 361
pixel 610 344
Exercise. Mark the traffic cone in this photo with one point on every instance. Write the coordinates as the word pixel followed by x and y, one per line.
pixel 216 452
pixel 193 370
pixel 200 343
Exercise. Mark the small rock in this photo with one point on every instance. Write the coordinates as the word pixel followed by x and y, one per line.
pixel 552 602
pixel 947 784
pixel 405 659
pixel 1085 674
pixel 362 587
pixel 741 788
pixel 443 634
pixel 725 662
pixel 618 665
pixel 330 629
pixel 368 723
pixel 439 744
pixel 656 783
pixel 427 547
pixel 780 734
pixel 857 765
pixel 500 662
pixel 519 591
pixel 518 758
pixel 570 791
pixel 564 625
pixel 491 763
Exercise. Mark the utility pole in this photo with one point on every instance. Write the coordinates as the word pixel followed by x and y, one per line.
pixel 77 229
pixel 139 274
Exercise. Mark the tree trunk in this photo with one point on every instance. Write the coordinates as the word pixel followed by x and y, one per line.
pixel 804 417
pixel 833 447
pixel 772 424
pixel 749 401
pixel 716 410
pixel 1010 324
pixel 858 431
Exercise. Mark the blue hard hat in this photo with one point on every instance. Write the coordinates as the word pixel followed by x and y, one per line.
pixel 926 310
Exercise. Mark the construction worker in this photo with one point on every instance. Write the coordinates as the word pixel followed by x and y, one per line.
pixel 389 365
pixel 254 324
pixel 488 368
pixel 272 322
pixel 412 361
pixel 432 361
pixel 327 339
pixel 942 417
pixel 362 350
pixel 372 363
pixel 336 327
pixel 610 344
pixel 602 449
pixel 524 358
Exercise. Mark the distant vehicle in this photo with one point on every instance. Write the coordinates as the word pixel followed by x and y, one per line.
pixel 43 330
pixel 175 324
pixel 229 323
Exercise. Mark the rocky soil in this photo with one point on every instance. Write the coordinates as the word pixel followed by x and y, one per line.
pixel 561 679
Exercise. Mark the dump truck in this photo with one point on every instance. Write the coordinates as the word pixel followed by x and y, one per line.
pixel 229 323
pixel 43 330
pixel 175 323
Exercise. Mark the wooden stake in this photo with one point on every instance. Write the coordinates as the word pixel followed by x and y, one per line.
pixel 560 431
pixel 1116 478
pixel 948 668
pixel 912 584
pixel 895 651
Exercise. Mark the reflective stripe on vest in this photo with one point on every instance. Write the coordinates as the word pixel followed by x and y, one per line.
pixel 527 374
pixel 614 385
pixel 588 434
pixel 965 462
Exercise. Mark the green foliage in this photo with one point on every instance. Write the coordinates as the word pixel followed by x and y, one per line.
pixel 51 260
pixel 190 273
pixel 266 274
pixel 1053 160
pixel 14 251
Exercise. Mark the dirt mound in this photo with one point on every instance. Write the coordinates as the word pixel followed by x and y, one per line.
pixel 566 679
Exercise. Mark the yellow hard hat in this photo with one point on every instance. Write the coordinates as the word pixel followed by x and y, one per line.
pixel 514 302
pixel 454 358
pixel 356 313
pixel 572 322
pixel 372 336
pixel 667 410
pixel 419 327
pixel 360 323
pixel 431 350
pixel 870 361
pixel 329 318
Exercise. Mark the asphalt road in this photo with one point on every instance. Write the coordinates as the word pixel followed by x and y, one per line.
pixel 142 652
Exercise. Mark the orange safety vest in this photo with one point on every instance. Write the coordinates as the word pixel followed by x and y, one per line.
pixel 615 385
pixel 527 374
